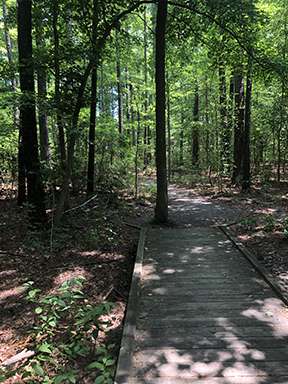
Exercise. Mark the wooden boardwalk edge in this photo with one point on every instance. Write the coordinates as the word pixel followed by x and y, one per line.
pixel 124 366
pixel 267 276
pixel 123 370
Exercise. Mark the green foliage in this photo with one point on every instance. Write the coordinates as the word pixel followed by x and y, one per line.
pixel 268 222
pixel 249 223
pixel 66 329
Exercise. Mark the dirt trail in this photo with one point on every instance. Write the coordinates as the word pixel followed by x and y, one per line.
pixel 188 210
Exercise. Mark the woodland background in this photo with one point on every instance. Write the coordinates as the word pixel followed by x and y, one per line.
pixel 78 135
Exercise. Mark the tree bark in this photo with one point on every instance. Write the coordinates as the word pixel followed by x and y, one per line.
pixel 21 160
pixel 93 105
pixel 21 199
pixel 168 130
pixel 42 91
pixel 57 86
pixel 120 94
pixel 37 211
pixel 161 210
pixel 225 130
pixel 239 126
pixel 246 152
pixel 10 59
pixel 91 154
pixel 195 144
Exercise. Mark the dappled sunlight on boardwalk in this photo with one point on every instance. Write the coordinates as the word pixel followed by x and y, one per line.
pixel 205 315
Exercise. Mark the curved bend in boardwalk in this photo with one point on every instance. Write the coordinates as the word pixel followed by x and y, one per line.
pixel 204 315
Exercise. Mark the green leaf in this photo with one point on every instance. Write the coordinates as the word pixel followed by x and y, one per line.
pixel 62 303
pixel 72 378
pixel 65 294
pixel 95 333
pixel 58 379
pixel 73 281
pixel 38 370
pixel 110 362
pixel 99 379
pixel 38 310
pixel 45 348
pixel 26 374
pixel 97 365
pixel 64 285
pixel 52 323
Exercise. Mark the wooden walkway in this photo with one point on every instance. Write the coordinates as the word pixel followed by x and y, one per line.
pixel 204 315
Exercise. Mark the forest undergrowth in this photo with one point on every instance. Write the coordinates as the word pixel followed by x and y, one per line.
pixel 98 241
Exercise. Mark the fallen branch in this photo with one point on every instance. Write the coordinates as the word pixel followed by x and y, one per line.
pixel 14 359
pixel 228 224
pixel 82 205
pixel 108 293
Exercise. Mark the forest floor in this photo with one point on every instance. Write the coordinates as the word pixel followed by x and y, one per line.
pixel 99 240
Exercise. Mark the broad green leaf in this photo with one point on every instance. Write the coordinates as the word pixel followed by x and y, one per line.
pixel 45 348
pixel 72 378
pixel 99 379
pixel 110 362
pixel 52 323
pixel 38 310
pixel 58 379
pixel 97 365
pixel 38 370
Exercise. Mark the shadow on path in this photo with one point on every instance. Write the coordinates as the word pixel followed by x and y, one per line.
pixel 205 315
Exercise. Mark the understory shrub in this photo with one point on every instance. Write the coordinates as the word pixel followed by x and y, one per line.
pixel 67 328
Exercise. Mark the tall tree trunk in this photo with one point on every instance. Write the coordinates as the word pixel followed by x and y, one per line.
pixel 246 152
pixel 147 153
pixel 21 170
pixel 43 121
pixel 119 86
pixel 57 86
pixel 134 141
pixel 10 59
pixel 21 158
pixel 93 105
pixel 207 140
pixel 161 210
pixel 91 153
pixel 195 132
pixel 128 106
pixel 239 126
pixel 168 129
pixel 42 91
pixel 181 144
pixel 35 189
pixel 225 131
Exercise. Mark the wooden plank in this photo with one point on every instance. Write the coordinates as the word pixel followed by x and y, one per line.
pixel 271 280
pixel 213 369
pixel 123 371
pixel 247 301
pixel 205 322
pixel 210 380
pixel 207 332
pixel 205 315
pixel 190 342
pixel 185 356
pixel 231 302
pixel 262 315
